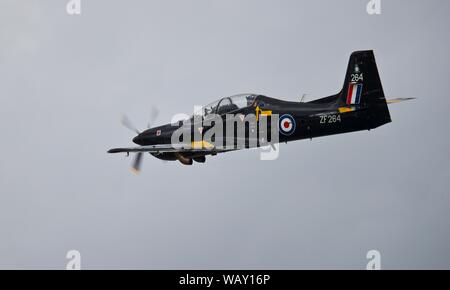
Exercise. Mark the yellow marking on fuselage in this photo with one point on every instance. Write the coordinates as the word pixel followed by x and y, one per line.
pixel 258 112
pixel 346 109
pixel 201 145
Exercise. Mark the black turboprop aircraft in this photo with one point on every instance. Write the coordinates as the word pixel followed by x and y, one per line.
pixel 360 105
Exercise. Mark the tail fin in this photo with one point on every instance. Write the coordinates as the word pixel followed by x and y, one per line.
pixel 362 87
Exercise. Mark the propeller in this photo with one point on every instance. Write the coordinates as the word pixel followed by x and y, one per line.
pixel 126 122
pixel 136 167
pixel 154 112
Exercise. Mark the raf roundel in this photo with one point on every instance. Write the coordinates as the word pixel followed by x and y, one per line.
pixel 287 125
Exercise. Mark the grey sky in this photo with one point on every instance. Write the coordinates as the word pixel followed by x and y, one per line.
pixel 66 80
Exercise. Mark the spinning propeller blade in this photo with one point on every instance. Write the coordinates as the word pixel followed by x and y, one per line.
pixel 128 124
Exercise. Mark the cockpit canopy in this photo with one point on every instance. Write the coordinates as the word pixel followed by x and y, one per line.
pixel 227 105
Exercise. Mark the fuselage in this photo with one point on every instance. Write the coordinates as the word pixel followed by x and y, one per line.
pixel 322 117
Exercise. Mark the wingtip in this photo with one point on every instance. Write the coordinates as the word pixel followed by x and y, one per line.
pixel 115 150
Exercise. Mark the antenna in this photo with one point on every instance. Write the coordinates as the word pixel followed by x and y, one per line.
pixel 302 98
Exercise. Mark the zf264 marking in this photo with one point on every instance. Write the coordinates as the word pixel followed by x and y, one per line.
pixel 330 119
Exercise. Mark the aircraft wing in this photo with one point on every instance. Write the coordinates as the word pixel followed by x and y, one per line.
pixel 168 148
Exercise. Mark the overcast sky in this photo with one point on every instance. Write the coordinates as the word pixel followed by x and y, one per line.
pixel 66 80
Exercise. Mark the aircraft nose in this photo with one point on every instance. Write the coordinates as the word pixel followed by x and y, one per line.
pixel 138 139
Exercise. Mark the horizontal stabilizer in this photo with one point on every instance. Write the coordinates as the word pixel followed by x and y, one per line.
pixel 398 100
